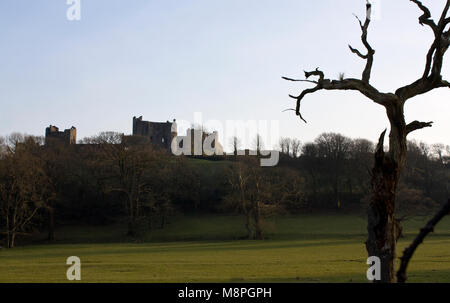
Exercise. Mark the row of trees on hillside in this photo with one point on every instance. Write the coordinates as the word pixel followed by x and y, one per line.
pixel 110 178
pixel 337 171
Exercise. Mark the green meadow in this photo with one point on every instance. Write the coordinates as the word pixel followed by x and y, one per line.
pixel 307 248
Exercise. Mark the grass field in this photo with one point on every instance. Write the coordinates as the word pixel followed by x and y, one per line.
pixel 207 249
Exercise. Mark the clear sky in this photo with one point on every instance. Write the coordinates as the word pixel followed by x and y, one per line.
pixel 166 59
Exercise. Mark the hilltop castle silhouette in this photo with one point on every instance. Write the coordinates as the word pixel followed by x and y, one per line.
pixel 160 134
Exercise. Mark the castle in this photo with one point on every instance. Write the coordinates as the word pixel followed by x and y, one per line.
pixel 160 134
pixel 54 136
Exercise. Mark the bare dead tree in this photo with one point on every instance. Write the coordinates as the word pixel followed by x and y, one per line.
pixel 382 224
pixel 409 251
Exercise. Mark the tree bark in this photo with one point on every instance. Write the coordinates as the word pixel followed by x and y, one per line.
pixel 381 241
pixel 383 228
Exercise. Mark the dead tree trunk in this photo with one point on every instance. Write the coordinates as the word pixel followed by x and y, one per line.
pixel 382 225
pixel 383 228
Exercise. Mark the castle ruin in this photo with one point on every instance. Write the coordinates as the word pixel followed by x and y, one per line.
pixel 159 133
pixel 162 134
pixel 54 136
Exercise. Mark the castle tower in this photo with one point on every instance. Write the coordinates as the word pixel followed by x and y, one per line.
pixel 159 133
pixel 54 136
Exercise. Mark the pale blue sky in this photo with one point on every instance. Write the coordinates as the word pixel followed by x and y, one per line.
pixel 166 59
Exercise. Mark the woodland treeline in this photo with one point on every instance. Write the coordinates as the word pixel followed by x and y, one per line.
pixel 107 180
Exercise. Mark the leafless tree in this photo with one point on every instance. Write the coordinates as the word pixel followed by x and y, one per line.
pixel 296 147
pixel 129 168
pixel 284 145
pixel 235 144
pixel 382 223
pixel 438 151
pixel 239 178
pixel 14 140
pixel 291 147
pixel 258 144
pixel 24 187
pixel 288 145
pixel 108 137
pixel 253 196
pixel 362 146
pixel 335 149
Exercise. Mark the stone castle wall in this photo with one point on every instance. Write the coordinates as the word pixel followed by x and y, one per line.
pixel 159 133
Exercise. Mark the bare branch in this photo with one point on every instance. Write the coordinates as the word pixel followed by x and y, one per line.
pixel 299 99
pixel 344 84
pixel 415 125
pixel 430 80
pixel 370 51
pixel 408 252
pixel 357 52
pixel 425 18
pixel 429 60
pixel 443 19
pixel 359 20
pixel 297 80
pixel 296 110
pixel 431 77
pixel 317 72
pixel 445 83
